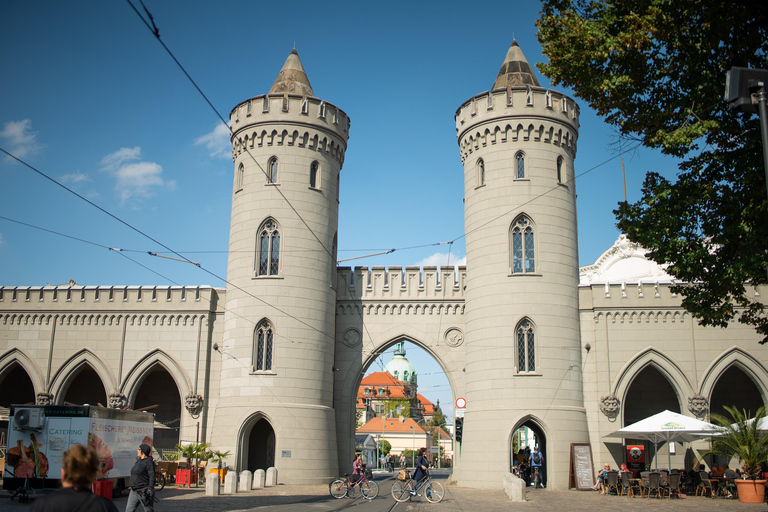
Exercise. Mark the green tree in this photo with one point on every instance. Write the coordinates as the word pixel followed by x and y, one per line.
pixel 438 418
pixel 358 418
pixel 391 406
pixel 218 457
pixel 384 447
pixel 655 70
pixel 193 451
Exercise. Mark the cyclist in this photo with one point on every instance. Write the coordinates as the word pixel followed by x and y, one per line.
pixel 421 467
pixel 357 470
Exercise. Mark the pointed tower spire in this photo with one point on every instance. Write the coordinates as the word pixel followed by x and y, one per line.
pixel 515 70
pixel 292 79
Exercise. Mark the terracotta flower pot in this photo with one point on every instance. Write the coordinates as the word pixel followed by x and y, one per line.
pixel 751 491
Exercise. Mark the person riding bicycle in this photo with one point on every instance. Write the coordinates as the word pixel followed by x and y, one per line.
pixel 357 470
pixel 421 465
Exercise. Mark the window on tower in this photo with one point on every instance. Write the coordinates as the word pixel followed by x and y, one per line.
pixel 523 247
pixel 559 169
pixel 314 170
pixel 526 346
pixel 480 176
pixel 239 177
pixel 262 347
pixel 268 249
pixel 272 170
pixel 520 165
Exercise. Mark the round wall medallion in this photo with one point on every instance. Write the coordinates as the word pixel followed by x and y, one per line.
pixel 351 337
pixel 454 337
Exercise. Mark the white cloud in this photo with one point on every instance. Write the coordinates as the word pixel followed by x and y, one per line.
pixel 136 179
pixel 217 142
pixel 19 138
pixel 112 161
pixel 75 177
pixel 440 259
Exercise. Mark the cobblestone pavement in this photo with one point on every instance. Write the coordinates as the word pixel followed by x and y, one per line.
pixel 294 498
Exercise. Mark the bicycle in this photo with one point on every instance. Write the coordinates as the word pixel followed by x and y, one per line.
pixel 159 479
pixel 404 490
pixel 340 488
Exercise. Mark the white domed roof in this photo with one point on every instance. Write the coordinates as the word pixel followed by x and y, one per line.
pixel 400 367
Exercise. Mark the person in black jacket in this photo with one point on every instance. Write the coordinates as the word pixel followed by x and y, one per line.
pixel 78 471
pixel 142 481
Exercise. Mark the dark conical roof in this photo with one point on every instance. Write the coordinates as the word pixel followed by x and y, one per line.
pixel 292 79
pixel 515 70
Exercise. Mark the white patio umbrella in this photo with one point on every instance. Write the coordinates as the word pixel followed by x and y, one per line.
pixel 665 427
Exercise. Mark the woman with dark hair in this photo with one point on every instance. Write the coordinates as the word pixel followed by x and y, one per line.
pixel 142 481
pixel 78 471
pixel 421 465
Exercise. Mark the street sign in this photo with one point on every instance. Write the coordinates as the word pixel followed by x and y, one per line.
pixel 459 413
pixel 461 402
pixel 434 449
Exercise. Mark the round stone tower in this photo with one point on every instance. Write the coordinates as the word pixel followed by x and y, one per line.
pixel 518 144
pixel 276 397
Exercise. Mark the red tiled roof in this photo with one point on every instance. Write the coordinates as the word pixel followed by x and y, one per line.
pixel 391 426
pixel 380 379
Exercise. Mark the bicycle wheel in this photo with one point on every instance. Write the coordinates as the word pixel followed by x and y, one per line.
pixel 338 488
pixel 159 481
pixel 401 490
pixel 370 489
pixel 434 492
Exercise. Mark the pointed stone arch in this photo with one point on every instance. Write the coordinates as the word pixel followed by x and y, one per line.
pixel 246 451
pixel 135 376
pixel 735 356
pixel 534 423
pixel 16 356
pixel 63 376
pixel 652 357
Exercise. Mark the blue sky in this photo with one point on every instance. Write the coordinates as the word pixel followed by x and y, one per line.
pixel 89 97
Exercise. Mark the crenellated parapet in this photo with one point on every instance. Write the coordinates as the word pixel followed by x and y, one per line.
pixel 97 300
pixel 521 113
pixel 304 122
pixel 396 284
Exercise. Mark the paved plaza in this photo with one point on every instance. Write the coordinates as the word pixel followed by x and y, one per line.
pixel 295 498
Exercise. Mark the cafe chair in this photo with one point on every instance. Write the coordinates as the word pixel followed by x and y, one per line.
pixel 674 485
pixel 706 486
pixel 654 484
pixel 612 482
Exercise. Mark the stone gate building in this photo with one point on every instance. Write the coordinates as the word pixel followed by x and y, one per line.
pixel 269 367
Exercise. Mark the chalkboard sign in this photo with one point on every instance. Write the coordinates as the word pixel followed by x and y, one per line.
pixel 582 475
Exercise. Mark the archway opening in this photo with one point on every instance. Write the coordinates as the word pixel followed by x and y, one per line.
pixel 528 453
pixel 649 393
pixel 261 446
pixel 403 403
pixel 736 389
pixel 17 387
pixel 159 388
pixel 85 387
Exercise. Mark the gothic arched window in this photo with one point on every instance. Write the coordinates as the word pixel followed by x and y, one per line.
pixel 239 178
pixel 268 249
pixel 480 173
pixel 559 169
pixel 526 346
pixel 272 170
pixel 520 165
pixel 262 346
pixel 314 170
pixel 523 247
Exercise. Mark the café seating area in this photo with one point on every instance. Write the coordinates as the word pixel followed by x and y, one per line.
pixel 668 484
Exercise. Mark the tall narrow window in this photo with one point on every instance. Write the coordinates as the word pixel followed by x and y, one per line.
pixel 313 175
pixel 523 248
pixel 268 249
pixel 263 342
pixel 526 347
pixel 559 169
pixel 480 172
pixel 272 170
pixel 239 177
pixel 520 164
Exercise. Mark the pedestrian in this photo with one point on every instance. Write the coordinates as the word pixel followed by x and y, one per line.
pixel 142 481
pixel 79 468
pixel 421 465
pixel 402 461
pixel 537 464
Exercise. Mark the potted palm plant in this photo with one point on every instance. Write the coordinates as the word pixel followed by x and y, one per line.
pixel 218 457
pixel 740 437
pixel 190 451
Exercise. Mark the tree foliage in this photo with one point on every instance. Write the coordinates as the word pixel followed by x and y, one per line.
pixel 656 71
pixel 741 438
pixel 384 447
pixel 438 418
